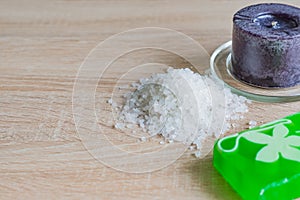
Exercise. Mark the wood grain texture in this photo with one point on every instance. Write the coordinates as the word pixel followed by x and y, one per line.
pixel 42 45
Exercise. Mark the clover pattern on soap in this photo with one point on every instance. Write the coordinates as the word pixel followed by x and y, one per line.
pixel 277 144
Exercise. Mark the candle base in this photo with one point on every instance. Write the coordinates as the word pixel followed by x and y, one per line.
pixel 220 66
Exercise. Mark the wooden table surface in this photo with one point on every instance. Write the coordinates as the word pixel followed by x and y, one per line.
pixel 42 45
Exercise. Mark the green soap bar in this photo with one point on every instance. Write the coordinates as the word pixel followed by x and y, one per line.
pixel 263 162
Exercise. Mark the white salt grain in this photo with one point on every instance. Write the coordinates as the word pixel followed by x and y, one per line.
pixel 130 126
pixel 198 154
pixel 182 106
pixel 119 125
pixel 252 124
pixel 110 101
pixel 191 148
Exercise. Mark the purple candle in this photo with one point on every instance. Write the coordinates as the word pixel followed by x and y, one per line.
pixel 266 45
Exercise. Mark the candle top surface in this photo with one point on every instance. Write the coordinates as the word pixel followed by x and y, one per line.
pixel 271 20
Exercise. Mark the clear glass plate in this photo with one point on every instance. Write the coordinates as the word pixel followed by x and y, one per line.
pixel 220 64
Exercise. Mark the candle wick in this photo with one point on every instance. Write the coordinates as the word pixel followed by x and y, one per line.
pixel 274 23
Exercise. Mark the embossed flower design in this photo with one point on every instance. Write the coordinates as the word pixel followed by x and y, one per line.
pixel 277 144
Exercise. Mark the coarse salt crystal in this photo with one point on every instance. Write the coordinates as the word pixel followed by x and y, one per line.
pixel 191 148
pixel 143 139
pixel 252 124
pixel 110 101
pixel 182 106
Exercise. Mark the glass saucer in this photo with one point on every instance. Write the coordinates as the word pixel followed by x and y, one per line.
pixel 220 64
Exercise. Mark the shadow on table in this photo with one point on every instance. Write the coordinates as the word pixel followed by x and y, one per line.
pixel 205 176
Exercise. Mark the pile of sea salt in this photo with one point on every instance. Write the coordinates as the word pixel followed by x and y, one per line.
pixel 181 106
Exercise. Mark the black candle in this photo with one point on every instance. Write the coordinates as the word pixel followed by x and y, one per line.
pixel 266 45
